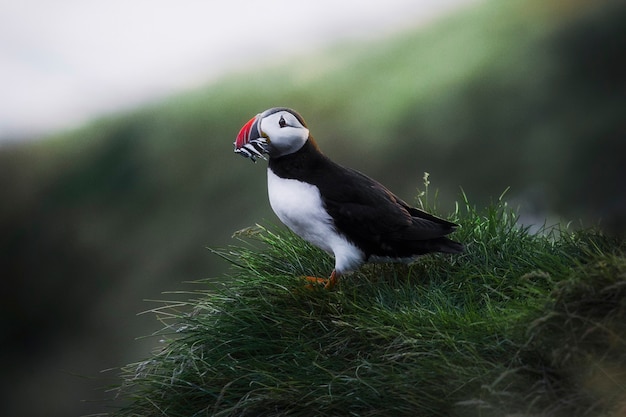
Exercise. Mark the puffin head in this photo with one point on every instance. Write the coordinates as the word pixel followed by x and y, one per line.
pixel 278 131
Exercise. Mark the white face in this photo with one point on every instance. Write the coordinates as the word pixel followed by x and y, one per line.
pixel 284 132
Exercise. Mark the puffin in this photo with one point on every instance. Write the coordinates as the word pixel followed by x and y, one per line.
pixel 340 210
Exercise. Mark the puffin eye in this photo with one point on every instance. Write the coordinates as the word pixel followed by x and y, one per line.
pixel 282 122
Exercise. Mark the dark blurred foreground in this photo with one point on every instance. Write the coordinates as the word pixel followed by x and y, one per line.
pixel 530 95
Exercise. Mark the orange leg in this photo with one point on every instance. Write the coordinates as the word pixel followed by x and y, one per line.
pixel 329 283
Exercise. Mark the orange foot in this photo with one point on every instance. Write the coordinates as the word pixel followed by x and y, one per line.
pixel 328 283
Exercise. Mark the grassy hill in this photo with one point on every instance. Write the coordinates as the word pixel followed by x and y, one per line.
pixel 521 94
pixel 521 324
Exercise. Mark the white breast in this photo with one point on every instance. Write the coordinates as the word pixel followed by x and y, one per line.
pixel 299 206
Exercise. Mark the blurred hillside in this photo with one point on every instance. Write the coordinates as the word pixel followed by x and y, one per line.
pixel 530 95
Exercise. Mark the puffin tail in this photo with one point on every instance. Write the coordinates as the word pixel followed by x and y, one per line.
pixel 445 245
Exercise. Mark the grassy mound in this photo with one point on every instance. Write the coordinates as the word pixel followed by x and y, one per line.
pixel 520 323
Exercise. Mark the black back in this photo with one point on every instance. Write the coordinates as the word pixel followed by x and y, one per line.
pixel 363 210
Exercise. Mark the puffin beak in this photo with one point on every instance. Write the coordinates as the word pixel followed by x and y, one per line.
pixel 251 142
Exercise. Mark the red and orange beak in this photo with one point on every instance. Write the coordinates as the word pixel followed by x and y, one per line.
pixel 250 142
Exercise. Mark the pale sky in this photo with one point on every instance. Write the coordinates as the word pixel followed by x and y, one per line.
pixel 63 62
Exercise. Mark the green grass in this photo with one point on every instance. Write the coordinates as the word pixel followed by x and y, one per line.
pixel 520 323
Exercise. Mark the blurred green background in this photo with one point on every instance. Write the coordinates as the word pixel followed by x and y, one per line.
pixel 523 94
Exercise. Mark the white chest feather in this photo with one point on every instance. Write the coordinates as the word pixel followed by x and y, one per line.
pixel 299 206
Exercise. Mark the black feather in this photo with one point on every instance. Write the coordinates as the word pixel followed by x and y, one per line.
pixel 367 213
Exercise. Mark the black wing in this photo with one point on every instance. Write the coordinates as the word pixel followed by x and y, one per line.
pixel 378 221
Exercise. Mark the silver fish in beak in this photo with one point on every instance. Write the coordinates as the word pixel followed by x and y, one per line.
pixel 251 142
